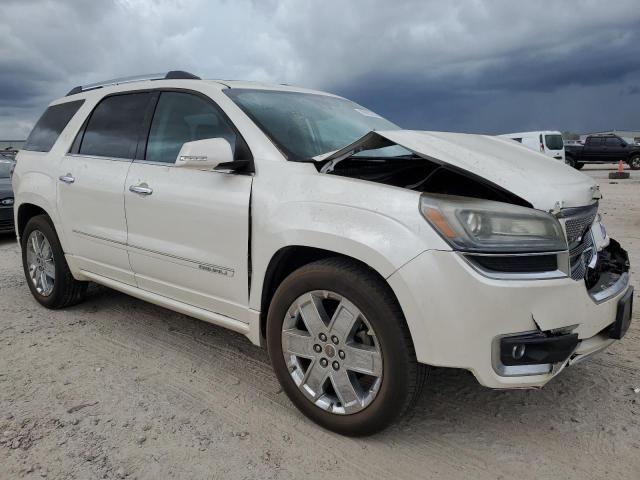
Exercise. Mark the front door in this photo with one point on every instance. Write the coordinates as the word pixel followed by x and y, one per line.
pixel 188 230
pixel 91 186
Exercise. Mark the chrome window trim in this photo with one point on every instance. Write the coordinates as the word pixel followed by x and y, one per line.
pixel 97 157
pixel 561 272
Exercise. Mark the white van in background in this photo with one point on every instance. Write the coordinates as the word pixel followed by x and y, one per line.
pixel 548 142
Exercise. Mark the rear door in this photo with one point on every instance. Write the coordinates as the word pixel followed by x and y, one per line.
pixel 554 146
pixel 188 233
pixel 91 185
pixel 615 149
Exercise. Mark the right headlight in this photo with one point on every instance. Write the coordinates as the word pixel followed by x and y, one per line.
pixel 475 225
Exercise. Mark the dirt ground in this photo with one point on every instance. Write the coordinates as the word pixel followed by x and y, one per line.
pixel 117 388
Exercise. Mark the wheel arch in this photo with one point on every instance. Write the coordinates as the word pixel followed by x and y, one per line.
pixel 288 259
pixel 26 211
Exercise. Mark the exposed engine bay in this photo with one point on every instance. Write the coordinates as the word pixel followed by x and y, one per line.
pixel 422 175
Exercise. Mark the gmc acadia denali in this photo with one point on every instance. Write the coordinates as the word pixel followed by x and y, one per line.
pixel 357 252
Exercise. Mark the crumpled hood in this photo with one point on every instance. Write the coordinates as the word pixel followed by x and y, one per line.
pixel 544 182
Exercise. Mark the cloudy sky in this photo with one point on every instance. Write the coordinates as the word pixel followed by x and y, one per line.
pixel 487 66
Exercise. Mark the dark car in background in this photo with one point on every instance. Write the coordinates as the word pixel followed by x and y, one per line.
pixel 6 196
pixel 608 148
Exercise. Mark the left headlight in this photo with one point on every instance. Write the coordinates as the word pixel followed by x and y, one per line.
pixel 474 225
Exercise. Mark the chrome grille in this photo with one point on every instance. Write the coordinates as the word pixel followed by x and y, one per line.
pixel 580 257
pixel 577 224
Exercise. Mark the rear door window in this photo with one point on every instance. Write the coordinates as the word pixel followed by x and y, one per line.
pixel 115 126
pixel 47 130
pixel 554 142
pixel 183 117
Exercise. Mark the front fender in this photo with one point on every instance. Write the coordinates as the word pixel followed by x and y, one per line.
pixel 374 238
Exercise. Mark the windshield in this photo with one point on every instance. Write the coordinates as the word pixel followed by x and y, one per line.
pixel 5 169
pixel 305 125
pixel 554 142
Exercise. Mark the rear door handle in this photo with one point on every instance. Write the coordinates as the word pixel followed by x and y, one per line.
pixel 68 178
pixel 142 189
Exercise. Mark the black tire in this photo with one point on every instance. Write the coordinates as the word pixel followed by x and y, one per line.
pixel 634 162
pixel 569 160
pixel 67 291
pixel 402 378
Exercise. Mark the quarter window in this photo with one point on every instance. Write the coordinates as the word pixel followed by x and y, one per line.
pixel 115 126
pixel 50 126
pixel 180 118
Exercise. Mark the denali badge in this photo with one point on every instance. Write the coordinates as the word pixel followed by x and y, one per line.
pixel 227 272
pixel 7 202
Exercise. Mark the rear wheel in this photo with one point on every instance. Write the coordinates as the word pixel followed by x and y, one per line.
pixel 573 163
pixel 634 162
pixel 341 349
pixel 45 267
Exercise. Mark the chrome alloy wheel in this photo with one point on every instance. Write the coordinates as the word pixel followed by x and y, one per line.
pixel 42 267
pixel 331 352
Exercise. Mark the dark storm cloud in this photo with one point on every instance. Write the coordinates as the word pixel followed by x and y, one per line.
pixel 481 66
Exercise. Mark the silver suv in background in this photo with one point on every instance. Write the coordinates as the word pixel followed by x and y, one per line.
pixel 6 195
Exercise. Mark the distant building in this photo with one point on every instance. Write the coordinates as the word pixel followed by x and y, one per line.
pixel 12 144
pixel 8 148
pixel 630 136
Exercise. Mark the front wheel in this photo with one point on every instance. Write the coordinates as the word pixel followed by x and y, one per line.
pixel 573 163
pixel 45 267
pixel 634 162
pixel 341 349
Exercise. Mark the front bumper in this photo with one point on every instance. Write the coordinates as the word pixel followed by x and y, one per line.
pixel 456 315
pixel 6 220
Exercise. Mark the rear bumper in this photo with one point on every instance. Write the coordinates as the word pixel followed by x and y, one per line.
pixel 457 316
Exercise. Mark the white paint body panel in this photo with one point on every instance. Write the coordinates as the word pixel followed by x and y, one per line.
pixel 189 239
pixel 92 215
pixel 178 246
pixel 540 180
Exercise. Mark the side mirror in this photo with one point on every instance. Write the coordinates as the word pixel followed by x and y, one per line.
pixel 205 154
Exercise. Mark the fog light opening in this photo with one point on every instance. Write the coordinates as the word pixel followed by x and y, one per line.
pixel 518 351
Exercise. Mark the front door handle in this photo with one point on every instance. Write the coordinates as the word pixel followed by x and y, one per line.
pixel 142 189
pixel 68 178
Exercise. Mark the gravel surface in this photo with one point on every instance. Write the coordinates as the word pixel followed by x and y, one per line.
pixel 117 388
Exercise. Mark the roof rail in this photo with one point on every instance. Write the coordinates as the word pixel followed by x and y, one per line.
pixel 172 75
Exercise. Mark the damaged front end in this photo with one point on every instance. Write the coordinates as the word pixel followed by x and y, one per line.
pixel 609 274
pixel 594 258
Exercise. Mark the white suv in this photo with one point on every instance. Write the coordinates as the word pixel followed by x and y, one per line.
pixel 357 252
